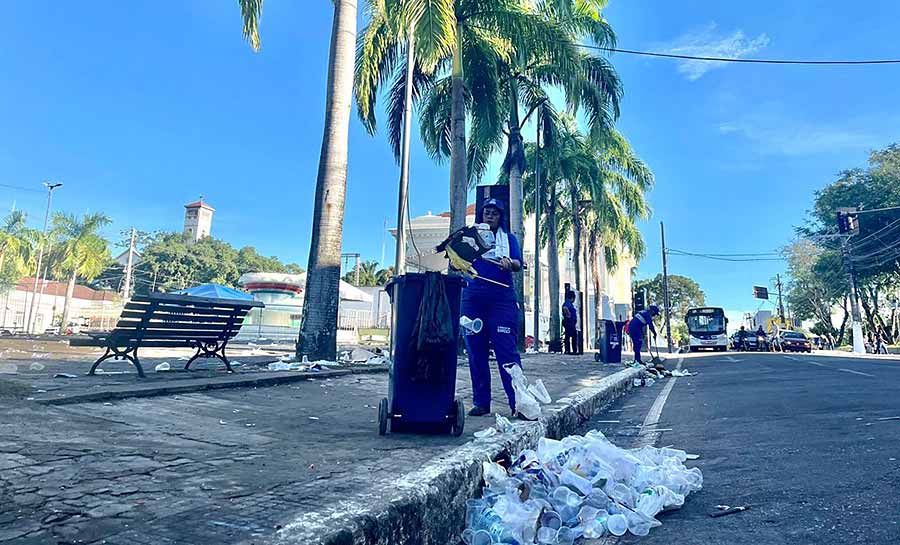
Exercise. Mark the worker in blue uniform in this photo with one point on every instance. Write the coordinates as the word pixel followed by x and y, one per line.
pixel 643 318
pixel 490 296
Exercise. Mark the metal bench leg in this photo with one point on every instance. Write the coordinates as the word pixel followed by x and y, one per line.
pixel 114 353
pixel 210 350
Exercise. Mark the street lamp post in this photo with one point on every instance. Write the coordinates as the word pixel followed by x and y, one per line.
pixel 37 273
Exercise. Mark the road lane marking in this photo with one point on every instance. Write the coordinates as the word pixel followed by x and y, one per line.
pixel 649 437
pixel 856 372
pixel 792 358
pixel 819 364
pixel 729 359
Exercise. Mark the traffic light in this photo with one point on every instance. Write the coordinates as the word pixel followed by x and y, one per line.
pixel 848 221
pixel 760 292
pixel 640 300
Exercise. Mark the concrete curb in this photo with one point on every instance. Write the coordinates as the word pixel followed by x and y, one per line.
pixel 199 385
pixel 427 507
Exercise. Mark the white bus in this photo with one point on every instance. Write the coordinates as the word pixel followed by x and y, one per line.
pixel 707 328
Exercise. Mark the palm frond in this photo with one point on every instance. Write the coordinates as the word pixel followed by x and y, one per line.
pixel 251 13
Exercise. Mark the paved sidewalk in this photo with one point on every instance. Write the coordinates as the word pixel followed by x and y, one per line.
pixel 217 466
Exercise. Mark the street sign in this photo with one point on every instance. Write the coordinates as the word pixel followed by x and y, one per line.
pixel 760 292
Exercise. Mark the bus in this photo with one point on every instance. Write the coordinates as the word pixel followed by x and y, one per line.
pixel 707 328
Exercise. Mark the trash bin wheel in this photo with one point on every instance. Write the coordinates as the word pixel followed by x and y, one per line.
pixel 596 356
pixel 459 423
pixel 383 416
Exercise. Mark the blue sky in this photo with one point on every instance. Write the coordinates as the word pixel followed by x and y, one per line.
pixel 139 110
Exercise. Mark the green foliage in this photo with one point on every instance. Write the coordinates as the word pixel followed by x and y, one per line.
pixel 15 249
pixel 818 270
pixel 170 263
pixel 684 293
pixel 369 275
pixel 80 250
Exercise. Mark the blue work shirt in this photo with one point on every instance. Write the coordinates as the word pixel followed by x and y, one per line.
pixel 642 318
pixel 486 269
pixel 573 312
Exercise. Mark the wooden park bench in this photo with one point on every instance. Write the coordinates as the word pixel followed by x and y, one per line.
pixel 162 320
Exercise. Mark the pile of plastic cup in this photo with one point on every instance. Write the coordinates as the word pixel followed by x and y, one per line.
pixel 582 487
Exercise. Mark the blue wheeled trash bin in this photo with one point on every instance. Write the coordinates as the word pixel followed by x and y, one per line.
pixel 422 383
pixel 609 341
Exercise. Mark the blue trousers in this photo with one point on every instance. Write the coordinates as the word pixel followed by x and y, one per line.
pixel 500 317
pixel 637 341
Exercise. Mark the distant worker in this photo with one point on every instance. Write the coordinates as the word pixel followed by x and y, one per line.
pixel 570 319
pixel 636 328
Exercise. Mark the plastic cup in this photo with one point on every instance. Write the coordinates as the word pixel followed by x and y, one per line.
pixel 481 537
pixel 565 536
pixel 473 509
pixel 551 519
pixel 617 525
pixel 547 536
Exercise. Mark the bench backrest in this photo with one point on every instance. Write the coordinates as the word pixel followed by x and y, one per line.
pixel 162 316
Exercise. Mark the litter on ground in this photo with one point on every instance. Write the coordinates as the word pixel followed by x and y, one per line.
pixel 580 487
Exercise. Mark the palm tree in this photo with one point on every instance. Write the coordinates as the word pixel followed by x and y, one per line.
pixel 457 47
pixel 82 252
pixel 596 182
pixel 318 329
pixel 14 248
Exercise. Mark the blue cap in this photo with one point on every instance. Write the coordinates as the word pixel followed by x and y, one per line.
pixel 495 203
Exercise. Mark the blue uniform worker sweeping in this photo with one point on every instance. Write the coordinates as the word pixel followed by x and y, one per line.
pixel 491 297
pixel 636 328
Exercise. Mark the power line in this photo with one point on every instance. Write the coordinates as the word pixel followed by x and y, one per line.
pixel 725 257
pixel 20 188
pixel 745 61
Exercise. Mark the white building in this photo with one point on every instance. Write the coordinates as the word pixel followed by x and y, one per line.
pixel 91 308
pixel 429 230
pixel 197 220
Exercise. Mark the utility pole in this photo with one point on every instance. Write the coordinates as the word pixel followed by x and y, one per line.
pixel 662 236
pixel 859 344
pixel 537 235
pixel 37 273
pixel 126 292
pixel 357 270
pixel 403 192
pixel 780 301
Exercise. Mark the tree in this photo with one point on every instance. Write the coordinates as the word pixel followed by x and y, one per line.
pixel 874 253
pixel 812 293
pixel 82 252
pixel 684 293
pixel 318 329
pixel 14 249
pixel 457 50
pixel 169 262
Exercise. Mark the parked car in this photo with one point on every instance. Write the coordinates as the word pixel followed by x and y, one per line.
pixel 793 341
pixel 750 341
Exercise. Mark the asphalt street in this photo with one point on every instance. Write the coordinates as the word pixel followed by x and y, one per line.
pixel 810 443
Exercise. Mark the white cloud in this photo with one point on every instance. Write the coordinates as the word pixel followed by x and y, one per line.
pixel 782 135
pixel 708 42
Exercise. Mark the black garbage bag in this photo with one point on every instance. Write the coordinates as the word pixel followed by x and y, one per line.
pixel 434 332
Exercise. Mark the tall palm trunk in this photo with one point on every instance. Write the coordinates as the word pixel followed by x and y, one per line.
pixel 553 267
pixel 318 330
pixel 587 277
pixel 594 249
pixel 70 292
pixel 576 261
pixel 458 177
pixel 515 157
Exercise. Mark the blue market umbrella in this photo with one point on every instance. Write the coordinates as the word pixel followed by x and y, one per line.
pixel 216 291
